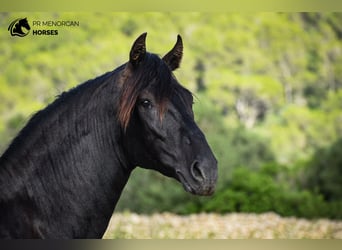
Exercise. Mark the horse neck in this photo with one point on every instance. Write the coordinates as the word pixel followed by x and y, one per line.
pixel 69 154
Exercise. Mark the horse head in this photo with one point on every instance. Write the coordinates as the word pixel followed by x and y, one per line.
pixel 156 115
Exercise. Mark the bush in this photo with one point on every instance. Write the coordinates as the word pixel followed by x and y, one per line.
pixel 261 191
pixel 324 171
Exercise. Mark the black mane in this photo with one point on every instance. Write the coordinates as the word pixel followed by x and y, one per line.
pixel 69 104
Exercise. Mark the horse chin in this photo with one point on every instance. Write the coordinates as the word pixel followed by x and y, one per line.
pixel 204 190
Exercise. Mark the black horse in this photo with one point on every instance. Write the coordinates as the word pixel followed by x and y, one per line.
pixel 63 174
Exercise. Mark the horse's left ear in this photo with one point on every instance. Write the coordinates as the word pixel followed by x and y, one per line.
pixel 174 57
pixel 138 50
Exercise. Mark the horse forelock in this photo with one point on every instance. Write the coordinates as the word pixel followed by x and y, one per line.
pixel 153 73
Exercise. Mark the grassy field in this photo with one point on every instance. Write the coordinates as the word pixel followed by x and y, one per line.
pixel 230 226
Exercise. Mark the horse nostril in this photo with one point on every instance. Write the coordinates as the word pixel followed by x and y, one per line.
pixel 196 171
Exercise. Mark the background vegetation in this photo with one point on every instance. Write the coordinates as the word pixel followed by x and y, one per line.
pixel 268 90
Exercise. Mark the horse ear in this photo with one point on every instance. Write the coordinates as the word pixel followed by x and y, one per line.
pixel 138 50
pixel 174 57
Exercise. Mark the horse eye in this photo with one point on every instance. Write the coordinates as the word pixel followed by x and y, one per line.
pixel 146 103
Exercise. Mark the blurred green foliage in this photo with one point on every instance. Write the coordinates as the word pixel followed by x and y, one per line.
pixel 268 96
pixel 263 191
pixel 324 172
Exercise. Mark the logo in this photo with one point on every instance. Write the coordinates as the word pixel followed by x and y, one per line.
pixel 19 27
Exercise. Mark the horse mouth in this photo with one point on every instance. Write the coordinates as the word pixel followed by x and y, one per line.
pixel 185 184
pixel 204 190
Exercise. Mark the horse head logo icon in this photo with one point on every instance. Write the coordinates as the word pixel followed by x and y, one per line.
pixel 16 27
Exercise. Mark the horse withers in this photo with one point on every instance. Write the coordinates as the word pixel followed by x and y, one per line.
pixel 63 174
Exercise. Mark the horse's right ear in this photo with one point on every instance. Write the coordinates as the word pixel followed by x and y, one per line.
pixel 138 50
